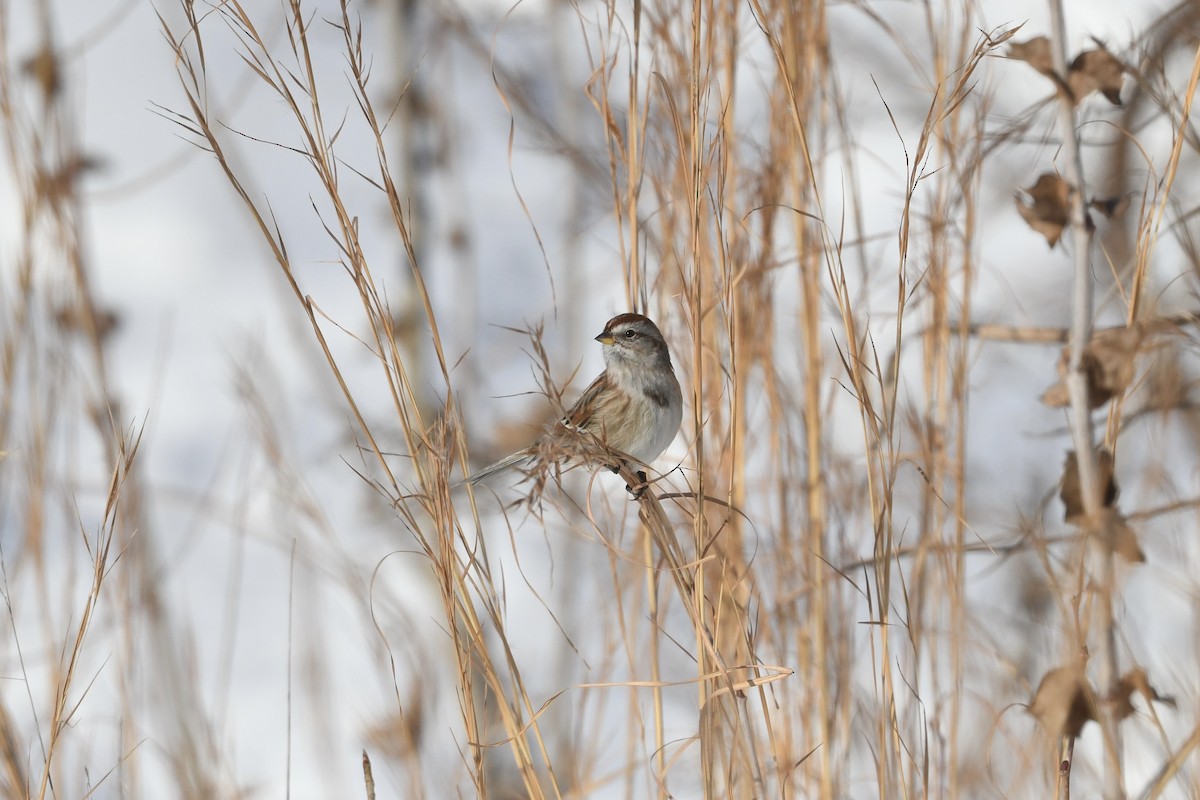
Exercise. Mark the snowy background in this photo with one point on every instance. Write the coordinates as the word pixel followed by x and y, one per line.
pixel 281 616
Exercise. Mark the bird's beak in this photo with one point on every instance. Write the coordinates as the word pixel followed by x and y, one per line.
pixel 605 338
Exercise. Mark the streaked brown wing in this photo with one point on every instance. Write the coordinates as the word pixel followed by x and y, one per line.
pixel 582 412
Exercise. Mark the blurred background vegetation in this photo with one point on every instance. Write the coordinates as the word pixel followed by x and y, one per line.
pixel 274 275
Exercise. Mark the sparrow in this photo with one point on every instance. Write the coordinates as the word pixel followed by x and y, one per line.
pixel 632 410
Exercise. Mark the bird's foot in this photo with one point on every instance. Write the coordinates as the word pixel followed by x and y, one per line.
pixel 640 489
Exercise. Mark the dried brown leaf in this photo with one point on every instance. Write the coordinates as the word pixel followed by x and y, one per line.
pixel 1123 541
pixel 1096 70
pixel 1057 396
pixel 1136 680
pixel 1111 207
pixel 1071 492
pixel 398 734
pixel 1049 208
pixel 1166 387
pixel 74 319
pixel 1035 595
pixel 1034 52
pixel 1108 363
pixel 45 68
pixel 62 182
pixel 1115 533
pixel 1063 702
pixel 1112 353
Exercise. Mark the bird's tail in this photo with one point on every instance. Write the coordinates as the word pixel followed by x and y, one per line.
pixel 519 457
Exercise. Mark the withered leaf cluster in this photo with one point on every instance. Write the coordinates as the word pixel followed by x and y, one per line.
pixel 1094 70
pixel 1048 208
pixel 1107 524
pixel 1065 701
pixel 1108 363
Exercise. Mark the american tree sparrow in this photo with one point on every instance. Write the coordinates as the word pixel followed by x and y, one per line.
pixel 631 412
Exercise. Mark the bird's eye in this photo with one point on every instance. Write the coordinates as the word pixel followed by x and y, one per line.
pixel 631 333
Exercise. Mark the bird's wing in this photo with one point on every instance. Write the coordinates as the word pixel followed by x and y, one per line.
pixel 581 415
